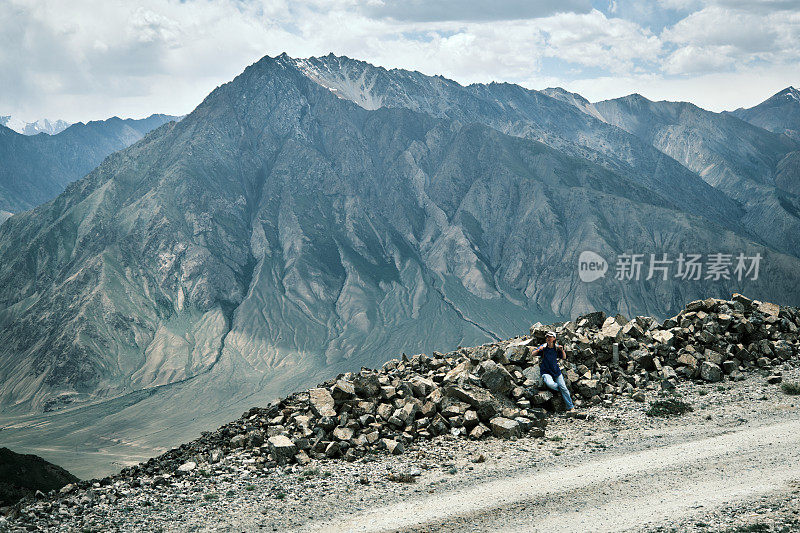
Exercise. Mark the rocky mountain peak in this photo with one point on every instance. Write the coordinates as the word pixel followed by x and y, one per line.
pixel 574 99
pixel 790 93
pixel 779 113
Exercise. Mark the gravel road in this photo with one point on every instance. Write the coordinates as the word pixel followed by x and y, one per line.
pixel 628 488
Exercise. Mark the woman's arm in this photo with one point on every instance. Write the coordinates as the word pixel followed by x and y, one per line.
pixel 563 352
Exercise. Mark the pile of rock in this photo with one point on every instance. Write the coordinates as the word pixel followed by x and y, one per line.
pixel 710 340
pixel 496 389
pixel 471 393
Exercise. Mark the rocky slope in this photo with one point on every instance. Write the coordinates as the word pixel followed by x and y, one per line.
pixel 24 475
pixel 470 393
pixel 36 168
pixel 780 113
pixel 530 114
pixel 747 163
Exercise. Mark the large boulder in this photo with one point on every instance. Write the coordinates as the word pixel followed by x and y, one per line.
pixel 591 320
pixel 422 386
pixel 186 467
pixel 538 332
pixel 281 448
pixel 343 391
pixel 392 446
pixel 321 402
pixel 769 309
pixel 713 357
pixel 485 403
pixel 504 428
pixel 343 433
pixel 255 438
pixel 534 374
pixel 643 358
pixel 495 377
pixel 663 336
pixel 588 387
pixel 611 331
pixel 458 372
pixel 238 441
pixel 687 359
pixel 710 372
pixel 632 329
pixel 367 384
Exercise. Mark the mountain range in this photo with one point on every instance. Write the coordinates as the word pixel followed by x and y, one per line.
pixel 42 125
pixel 779 114
pixel 37 168
pixel 321 214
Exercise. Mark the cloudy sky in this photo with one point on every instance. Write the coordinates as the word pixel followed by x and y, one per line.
pixel 91 59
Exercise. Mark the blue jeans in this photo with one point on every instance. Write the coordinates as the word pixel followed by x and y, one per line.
pixel 559 384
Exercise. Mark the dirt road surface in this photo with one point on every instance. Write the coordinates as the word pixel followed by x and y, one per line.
pixel 623 490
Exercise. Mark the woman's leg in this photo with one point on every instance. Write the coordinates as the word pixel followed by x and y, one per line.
pixel 548 380
pixel 564 391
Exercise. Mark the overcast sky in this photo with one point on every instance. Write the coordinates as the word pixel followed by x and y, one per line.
pixel 84 59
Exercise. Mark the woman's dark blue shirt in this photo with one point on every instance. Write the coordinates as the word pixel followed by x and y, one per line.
pixel 549 362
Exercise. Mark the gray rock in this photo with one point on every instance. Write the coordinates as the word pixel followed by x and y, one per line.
pixel 321 402
pixel 343 391
pixel 479 432
pixel 392 446
pixel 187 466
pixel 495 377
pixel 534 375
pixel 591 320
pixel 710 372
pixel 216 456
pixel 367 385
pixel 255 438
pixel 471 419
pixel 282 449
pixel 728 367
pixel 333 449
pixel 504 428
pixel 343 433
pixel 713 357
pixel 485 404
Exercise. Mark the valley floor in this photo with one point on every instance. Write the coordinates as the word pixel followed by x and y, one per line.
pixel 732 464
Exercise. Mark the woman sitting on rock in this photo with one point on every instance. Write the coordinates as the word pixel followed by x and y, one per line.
pixel 548 366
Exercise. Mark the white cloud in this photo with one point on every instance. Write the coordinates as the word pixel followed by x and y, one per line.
pixel 720 27
pixel 716 91
pixel 700 60
pixel 473 10
pixel 593 40
pixel 719 38
pixel 82 60
pixel 86 59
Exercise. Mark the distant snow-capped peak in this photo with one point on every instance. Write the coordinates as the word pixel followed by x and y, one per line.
pixel 42 125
